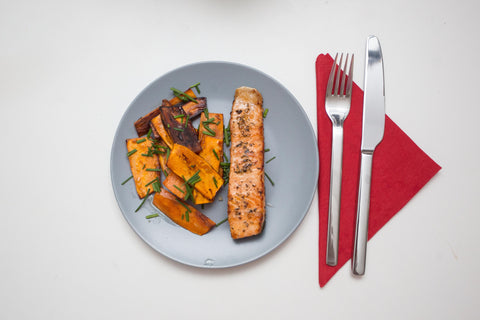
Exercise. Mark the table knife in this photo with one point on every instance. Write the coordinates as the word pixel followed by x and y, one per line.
pixel 373 126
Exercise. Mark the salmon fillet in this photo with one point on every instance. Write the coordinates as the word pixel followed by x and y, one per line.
pixel 246 188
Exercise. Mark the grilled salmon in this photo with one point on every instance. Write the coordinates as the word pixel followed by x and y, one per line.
pixel 246 189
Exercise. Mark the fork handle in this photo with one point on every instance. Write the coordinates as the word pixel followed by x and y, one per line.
pixel 363 208
pixel 335 194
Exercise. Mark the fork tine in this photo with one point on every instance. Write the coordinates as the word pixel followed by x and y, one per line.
pixel 337 81
pixel 350 78
pixel 344 76
pixel 332 76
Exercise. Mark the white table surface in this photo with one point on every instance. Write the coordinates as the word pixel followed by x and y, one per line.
pixel 68 71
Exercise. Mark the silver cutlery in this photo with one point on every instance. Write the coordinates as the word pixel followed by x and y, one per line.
pixel 373 126
pixel 337 105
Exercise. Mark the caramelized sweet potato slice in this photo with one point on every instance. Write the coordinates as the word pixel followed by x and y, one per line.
pixel 179 127
pixel 176 185
pixel 193 109
pixel 213 126
pixel 181 213
pixel 139 163
pixel 185 163
pixel 212 151
pixel 159 131
pixel 142 125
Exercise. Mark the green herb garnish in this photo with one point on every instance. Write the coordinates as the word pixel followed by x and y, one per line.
pixel 127 180
pixel 208 133
pixel 131 152
pixel 182 95
pixel 270 159
pixel 224 220
pixel 215 154
pixel 265 112
pixel 269 179
pixel 196 87
pixel 144 199
pixel 150 216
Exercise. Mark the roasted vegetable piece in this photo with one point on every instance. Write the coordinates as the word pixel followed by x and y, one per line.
pixel 212 151
pixel 193 109
pixel 213 126
pixel 246 186
pixel 159 131
pixel 139 163
pixel 181 213
pixel 142 125
pixel 179 126
pixel 176 185
pixel 186 164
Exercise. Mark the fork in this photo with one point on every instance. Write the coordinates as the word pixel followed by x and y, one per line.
pixel 337 105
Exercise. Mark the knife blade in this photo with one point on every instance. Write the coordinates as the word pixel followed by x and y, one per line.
pixel 373 126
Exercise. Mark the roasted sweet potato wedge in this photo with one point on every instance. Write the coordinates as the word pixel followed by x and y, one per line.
pixel 142 125
pixel 176 185
pixel 187 164
pixel 179 127
pixel 194 109
pixel 181 213
pixel 213 126
pixel 212 151
pixel 159 131
pixel 143 163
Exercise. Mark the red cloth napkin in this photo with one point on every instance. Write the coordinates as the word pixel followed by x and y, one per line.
pixel 400 170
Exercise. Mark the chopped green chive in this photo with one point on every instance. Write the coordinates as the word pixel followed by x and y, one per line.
pixel 144 199
pixel 208 133
pixel 221 222
pixel 187 211
pixel 215 182
pixel 270 159
pixel 179 129
pixel 150 216
pixel 178 188
pixel 269 179
pixel 207 115
pixel 157 186
pixel 168 154
pixel 182 95
pixel 141 140
pixel 227 135
pixel 149 134
pixel 156 179
pixel 153 169
pixel 265 113
pixel 179 116
pixel 215 154
pixel 266 150
pixel 196 87
pixel 131 152
pixel 127 180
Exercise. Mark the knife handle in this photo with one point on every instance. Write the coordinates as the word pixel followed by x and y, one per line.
pixel 335 193
pixel 363 207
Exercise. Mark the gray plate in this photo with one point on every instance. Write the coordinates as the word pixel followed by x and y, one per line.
pixel 289 136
